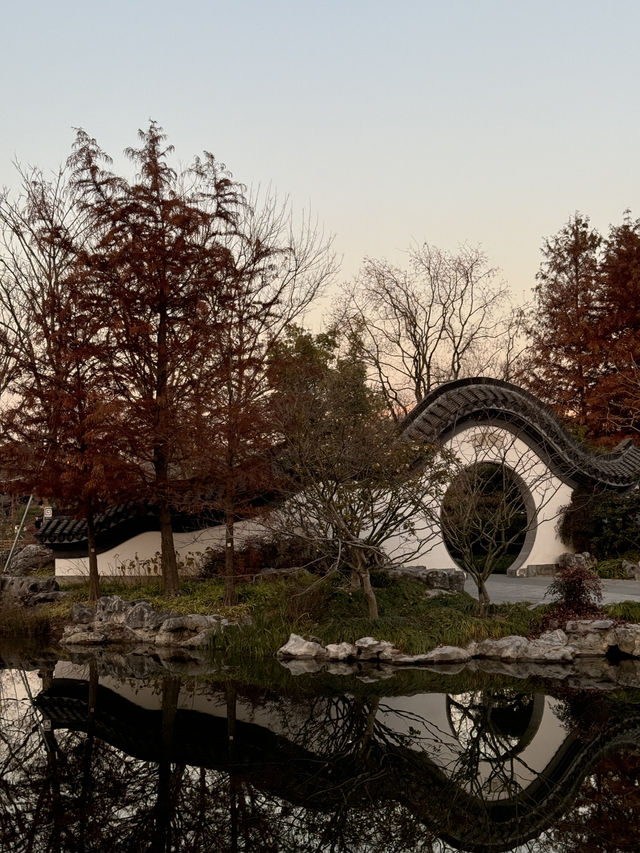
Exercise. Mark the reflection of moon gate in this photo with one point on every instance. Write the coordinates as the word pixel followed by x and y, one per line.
pixel 487 420
pixel 478 420
pixel 413 777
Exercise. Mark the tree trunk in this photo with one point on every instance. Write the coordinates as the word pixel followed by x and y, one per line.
pixel 230 595
pixel 94 579
pixel 365 577
pixel 169 563
pixel 483 599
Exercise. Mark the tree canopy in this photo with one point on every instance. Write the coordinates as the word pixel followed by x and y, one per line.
pixel 584 325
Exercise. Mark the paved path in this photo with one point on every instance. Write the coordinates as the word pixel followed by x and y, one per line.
pixel 502 588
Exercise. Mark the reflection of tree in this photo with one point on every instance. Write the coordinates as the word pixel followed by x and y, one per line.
pixel 337 773
pixel 604 815
pixel 493 727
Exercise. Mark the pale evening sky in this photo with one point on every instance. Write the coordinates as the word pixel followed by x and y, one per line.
pixel 480 121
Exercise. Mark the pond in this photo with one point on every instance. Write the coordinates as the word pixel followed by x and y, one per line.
pixel 106 752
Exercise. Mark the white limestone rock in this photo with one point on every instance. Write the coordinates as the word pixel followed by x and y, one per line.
pixel 448 654
pixel 509 648
pixel 371 649
pixel 341 651
pixel 591 637
pixel 298 647
pixel 83 638
pixel 628 639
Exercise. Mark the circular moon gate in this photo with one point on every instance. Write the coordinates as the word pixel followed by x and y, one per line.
pixel 484 517
pixel 483 422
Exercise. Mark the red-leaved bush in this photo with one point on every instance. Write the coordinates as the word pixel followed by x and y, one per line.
pixel 578 593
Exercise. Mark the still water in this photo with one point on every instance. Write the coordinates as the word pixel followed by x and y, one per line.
pixel 108 753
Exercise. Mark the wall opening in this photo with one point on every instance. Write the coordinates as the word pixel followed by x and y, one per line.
pixel 484 518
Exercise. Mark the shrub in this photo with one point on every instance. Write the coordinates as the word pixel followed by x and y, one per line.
pixel 607 524
pixel 578 593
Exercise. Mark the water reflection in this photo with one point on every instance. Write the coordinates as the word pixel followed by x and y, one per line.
pixel 93 757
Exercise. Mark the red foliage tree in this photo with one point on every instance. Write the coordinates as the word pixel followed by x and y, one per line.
pixel 61 436
pixel 584 327
pixel 563 367
pixel 194 285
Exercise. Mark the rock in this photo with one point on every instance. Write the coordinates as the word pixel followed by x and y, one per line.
pixel 112 608
pixel 591 637
pixel 410 660
pixel 81 614
pixel 142 616
pixel 532 570
pixel 117 632
pixel 200 640
pixel 631 570
pixel 83 638
pixel 506 648
pixel 628 639
pixel 449 579
pixel 519 572
pixel 298 647
pixel 369 648
pixel 45 597
pixel 29 559
pixel 198 622
pixel 539 651
pixel 448 654
pixel 29 590
pixel 553 638
pixel 341 651
pixel 576 561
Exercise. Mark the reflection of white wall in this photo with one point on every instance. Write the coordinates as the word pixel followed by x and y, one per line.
pixel 137 557
pixel 424 716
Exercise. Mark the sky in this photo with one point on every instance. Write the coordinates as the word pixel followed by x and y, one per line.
pixel 487 122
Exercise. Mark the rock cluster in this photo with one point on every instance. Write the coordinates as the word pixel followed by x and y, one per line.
pixel 29 591
pixel 441 579
pixel 114 620
pixel 30 559
pixel 581 638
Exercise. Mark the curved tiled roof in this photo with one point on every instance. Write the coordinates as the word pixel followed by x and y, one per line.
pixel 435 419
pixel 491 401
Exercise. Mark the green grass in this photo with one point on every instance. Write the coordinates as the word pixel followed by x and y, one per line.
pixel 331 613
pixel 610 568
pixel 625 611
pixel 326 609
